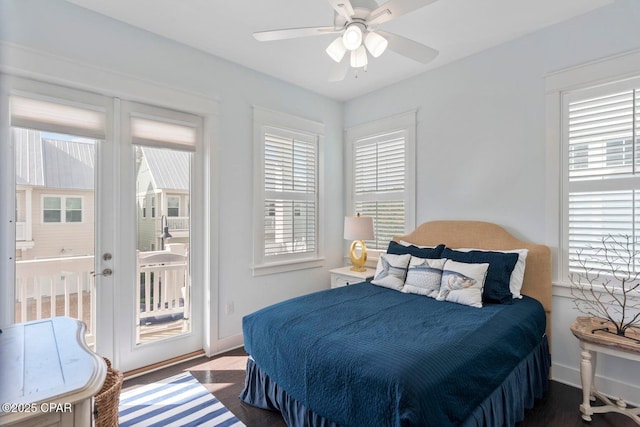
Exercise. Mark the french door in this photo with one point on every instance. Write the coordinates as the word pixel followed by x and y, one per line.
pixel 103 227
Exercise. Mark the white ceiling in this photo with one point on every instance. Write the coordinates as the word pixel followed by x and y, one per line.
pixel 456 28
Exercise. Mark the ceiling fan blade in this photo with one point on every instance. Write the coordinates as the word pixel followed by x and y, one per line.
pixel 292 33
pixel 394 8
pixel 409 48
pixel 343 8
pixel 339 70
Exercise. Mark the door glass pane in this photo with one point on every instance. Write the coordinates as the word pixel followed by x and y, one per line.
pixel 163 246
pixel 54 227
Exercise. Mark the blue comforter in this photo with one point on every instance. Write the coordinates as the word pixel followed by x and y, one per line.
pixel 363 355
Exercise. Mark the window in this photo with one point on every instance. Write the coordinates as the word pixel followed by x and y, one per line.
pixel 57 209
pixel 287 191
pixel 602 191
pixel 173 206
pixel 381 175
pixel 153 206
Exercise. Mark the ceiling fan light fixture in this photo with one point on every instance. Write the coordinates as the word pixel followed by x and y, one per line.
pixel 375 43
pixel 359 57
pixel 336 50
pixel 352 37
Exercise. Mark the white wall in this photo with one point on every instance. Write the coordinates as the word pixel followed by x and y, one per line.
pixel 481 145
pixel 66 31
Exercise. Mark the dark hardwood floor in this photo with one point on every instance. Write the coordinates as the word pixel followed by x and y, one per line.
pixel 223 375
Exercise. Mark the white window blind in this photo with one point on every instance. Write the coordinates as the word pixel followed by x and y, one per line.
pixel 602 134
pixel 161 134
pixel 379 184
pixel 290 192
pixel 59 117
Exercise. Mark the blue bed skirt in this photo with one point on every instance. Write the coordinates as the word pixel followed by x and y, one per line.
pixel 504 407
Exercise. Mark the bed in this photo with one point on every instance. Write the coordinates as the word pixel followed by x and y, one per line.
pixel 368 355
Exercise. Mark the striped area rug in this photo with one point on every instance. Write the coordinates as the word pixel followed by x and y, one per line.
pixel 177 401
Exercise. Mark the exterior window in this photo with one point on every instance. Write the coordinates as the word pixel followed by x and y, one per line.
pixel 602 195
pixel 287 196
pixel 153 206
pixel 57 209
pixel 73 209
pixel 52 209
pixel 381 186
pixel 173 206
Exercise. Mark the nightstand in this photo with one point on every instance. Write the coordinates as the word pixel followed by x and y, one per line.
pixel 344 276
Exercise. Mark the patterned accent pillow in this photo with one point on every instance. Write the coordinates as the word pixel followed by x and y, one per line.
pixel 424 276
pixel 501 265
pixel 391 271
pixel 462 283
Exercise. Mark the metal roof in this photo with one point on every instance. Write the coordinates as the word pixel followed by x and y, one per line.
pixel 69 164
pixel 169 168
pixel 53 163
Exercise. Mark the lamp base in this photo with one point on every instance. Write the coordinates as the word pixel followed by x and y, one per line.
pixel 358 262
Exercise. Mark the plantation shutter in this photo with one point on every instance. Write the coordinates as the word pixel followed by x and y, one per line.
pixel 379 184
pixel 602 131
pixel 290 192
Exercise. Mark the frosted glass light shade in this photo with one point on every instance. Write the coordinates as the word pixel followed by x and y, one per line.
pixel 359 57
pixel 352 37
pixel 375 43
pixel 336 50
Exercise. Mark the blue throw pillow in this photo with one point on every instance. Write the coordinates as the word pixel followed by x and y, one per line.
pixel 501 265
pixel 430 253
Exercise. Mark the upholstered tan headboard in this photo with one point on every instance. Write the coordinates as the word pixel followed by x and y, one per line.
pixel 485 235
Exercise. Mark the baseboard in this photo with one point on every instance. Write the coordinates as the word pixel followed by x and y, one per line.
pixel 228 343
pixel 608 386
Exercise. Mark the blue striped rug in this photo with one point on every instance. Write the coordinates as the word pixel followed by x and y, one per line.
pixel 177 401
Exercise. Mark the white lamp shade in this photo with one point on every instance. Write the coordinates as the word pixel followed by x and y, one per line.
pixel 358 228
pixel 352 37
pixel 375 43
pixel 336 50
pixel 359 57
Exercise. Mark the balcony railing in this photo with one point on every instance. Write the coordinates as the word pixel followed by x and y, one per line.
pixel 55 287
pixel 177 223
pixel 64 287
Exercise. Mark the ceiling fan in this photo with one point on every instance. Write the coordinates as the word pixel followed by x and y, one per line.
pixel 356 22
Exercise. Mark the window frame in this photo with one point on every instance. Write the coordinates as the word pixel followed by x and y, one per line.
pixel 63 209
pixel 591 76
pixel 406 122
pixel 263 120
pixel 173 207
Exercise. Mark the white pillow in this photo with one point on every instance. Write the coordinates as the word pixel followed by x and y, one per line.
pixel 424 276
pixel 462 283
pixel 391 271
pixel 517 275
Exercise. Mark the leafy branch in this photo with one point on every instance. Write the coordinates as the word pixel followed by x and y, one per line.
pixel 606 282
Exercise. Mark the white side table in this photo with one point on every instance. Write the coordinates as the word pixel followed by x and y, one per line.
pixel 344 276
pixel 49 375
pixel 601 342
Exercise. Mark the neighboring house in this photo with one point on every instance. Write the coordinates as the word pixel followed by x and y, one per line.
pixel 163 189
pixel 54 196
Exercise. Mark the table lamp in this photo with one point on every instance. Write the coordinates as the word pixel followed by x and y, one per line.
pixel 358 228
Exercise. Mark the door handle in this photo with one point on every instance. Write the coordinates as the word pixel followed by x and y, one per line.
pixel 106 273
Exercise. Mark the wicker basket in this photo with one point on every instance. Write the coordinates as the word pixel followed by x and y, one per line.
pixel 106 402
